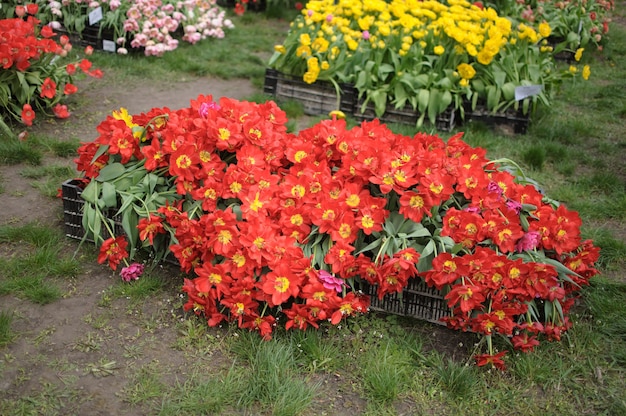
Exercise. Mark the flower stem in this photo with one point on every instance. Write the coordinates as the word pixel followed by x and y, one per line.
pixel 6 131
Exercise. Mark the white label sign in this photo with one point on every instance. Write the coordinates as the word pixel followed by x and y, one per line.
pixel 95 16
pixel 526 91
pixel 108 45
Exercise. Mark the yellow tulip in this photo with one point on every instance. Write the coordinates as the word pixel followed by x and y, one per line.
pixel 586 72
pixel 579 54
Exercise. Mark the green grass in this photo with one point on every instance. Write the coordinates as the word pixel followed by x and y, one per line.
pixel 47 179
pixel 201 395
pixel 6 332
pixel 253 38
pixel 31 271
pixel 146 286
pixel 14 152
pixel 458 380
pixel 273 379
pixel 385 372
pixel 56 147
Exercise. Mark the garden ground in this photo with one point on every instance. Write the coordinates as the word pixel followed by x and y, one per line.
pixel 82 353
pixel 109 348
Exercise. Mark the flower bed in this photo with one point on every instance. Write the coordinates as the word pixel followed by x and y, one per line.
pixel 276 228
pixel 151 26
pixel 428 55
pixel 36 73
pixel 575 23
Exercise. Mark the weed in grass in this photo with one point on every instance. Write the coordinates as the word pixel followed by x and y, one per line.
pixel 138 290
pixel 612 250
pixel 531 368
pixel 34 234
pixel 200 395
pixel 195 336
pixel 60 148
pixel 555 152
pixel 33 287
pixel 292 108
pixel 6 333
pixel 48 399
pixel 260 98
pixel 535 157
pixel 146 385
pixel 457 379
pixel 44 335
pixel 273 378
pixel 13 152
pixel 133 351
pixel 92 341
pixel 384 372
pixel 38 172
pixel 606 301
pixel 253 39
pixel 49 178
pixel 316 351
pixel 565 167
pixel 292 398
pixel 605 181
pixel 102 368
pixel 65 267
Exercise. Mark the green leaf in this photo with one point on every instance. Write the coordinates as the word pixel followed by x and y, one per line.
pixel 91 192
pixel 433 105
pixel 380 102
pixel 499 77
pixel 423 97
pixel 111 171
pixel 478 86
pixel 400 95
pixel 493 97
pixel 361 80
pixel 127 200
pixel 92 222
pixel 422 81
pixel 152 181
pixel 508 91
pixel 371 246
pixel 446 100
pixel 129 224
pixel 385 69
pixel 109 195
pixel 102 149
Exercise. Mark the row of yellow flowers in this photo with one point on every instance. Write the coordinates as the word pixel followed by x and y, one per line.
pixel 427 54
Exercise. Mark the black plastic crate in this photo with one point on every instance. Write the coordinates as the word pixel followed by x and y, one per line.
pixel 317 98
pixel 100 40
pixel 445 121
pixel 517 120
pixel 73 212
pixel 417 300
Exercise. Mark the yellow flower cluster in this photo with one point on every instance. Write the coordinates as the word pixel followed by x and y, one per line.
pixel 313 70
pixel 416 47
pixel 458 27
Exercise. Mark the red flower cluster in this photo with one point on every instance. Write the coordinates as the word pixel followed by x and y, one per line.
pixel 270 221
pixel 27 53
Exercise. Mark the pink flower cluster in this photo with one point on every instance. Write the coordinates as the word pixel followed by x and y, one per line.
pixel 152 24
pixel 132 272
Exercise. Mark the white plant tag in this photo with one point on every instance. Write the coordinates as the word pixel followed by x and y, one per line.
pixel 526 91
pixel 95 16
pixel 108 45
